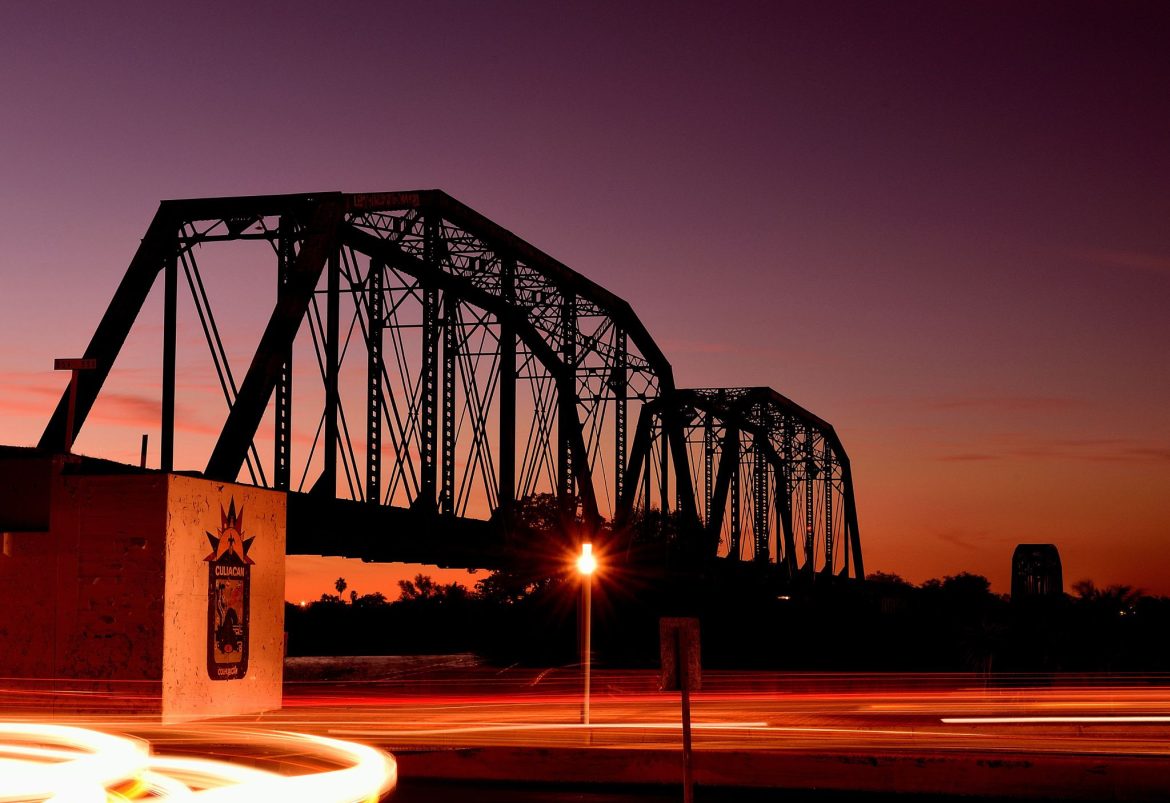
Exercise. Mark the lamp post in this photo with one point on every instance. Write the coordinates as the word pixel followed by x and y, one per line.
pixel 586 563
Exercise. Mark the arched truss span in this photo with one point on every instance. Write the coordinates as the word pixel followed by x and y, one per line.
pixel 492 370
pixel 460 369
pixel 773 482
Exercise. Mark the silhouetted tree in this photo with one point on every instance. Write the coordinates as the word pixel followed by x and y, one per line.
pixel 528 613
pixel 1115 599
pixel 503 587
pixel 656 538
pixel 423 588
pixel 965 584
pixel 375 600
pixel 888 579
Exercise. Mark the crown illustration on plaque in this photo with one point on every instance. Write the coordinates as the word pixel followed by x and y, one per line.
pixel 230 542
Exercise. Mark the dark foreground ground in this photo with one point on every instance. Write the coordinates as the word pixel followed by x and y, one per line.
pixel 421 791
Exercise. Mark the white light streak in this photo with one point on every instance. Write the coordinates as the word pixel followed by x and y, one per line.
pixel 43 762
pixel 64 764
pixel 1051 720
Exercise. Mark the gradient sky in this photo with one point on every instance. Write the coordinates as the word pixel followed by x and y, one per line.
pixel 943 227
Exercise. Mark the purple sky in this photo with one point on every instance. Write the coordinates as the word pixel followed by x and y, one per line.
pixel 944 228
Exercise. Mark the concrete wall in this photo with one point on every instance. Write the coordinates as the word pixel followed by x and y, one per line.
pixel 195 508
pixel 114 596
pixel 24 498
pixel 84 600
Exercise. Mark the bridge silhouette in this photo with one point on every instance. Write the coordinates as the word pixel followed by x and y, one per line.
pixel 461 370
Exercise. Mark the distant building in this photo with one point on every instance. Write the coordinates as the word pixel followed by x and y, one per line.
pixel 1036 572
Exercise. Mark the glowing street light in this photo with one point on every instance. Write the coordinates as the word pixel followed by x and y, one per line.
pixel 586 564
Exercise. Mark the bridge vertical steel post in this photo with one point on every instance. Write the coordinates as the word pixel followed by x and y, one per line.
pixel 728 467
pixel 685 506
pixel 582 472
pixel 845 548
pixel 663 461
pixel 828 509
pixel 507 474
pixel 451 330
pixel 282 401
pixel 647 479
pixel 760 498
pixel 736 532
pixel 785 510
pixel 850 504
pixel 428 496
pixel 567 403
pixel 809 524
pixel 639 460
pixel 708 464
pixel 775 504
pixel 170 314
pixel 328 483
pixel 377 321
pixel 620 392
pixel 773 482
pixel 783 500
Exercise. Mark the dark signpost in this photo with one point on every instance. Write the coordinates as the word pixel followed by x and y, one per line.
pixel 678 640
pixel 74 365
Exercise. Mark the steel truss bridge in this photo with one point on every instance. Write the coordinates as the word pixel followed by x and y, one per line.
pixel 454 369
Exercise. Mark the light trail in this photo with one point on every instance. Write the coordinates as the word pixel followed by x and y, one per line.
pixel 43 762
pixel 755 727
pixel 472 709
pixel 547 726
pixel 67 764
pixel 1091 720
pixel 760 713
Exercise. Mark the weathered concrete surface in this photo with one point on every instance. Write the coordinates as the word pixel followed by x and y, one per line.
pixel 983 775
pixel 84 600
pixel 107 606
pixel 195 509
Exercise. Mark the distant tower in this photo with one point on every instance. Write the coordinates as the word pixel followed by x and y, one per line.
pixel 1036 572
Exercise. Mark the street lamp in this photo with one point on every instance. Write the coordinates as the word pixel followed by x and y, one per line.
pixel 586 563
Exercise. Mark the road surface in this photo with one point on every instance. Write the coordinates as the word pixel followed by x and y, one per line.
pixel 1044 737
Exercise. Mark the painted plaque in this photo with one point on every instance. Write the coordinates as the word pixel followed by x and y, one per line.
pixel 228 595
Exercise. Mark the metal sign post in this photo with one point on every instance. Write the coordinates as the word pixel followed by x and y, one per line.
pixel 678 640
pixel 74 365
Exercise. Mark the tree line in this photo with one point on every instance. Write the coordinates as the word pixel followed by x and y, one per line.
pixel 530 614
pixel 950 624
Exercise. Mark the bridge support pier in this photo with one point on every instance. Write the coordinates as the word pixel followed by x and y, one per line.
pixel 156 593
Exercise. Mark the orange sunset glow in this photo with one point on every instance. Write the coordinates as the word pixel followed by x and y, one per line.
pixel 963 267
